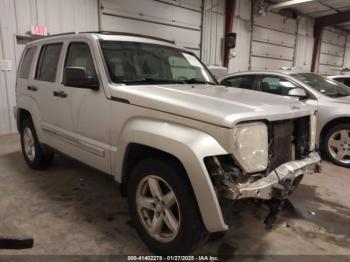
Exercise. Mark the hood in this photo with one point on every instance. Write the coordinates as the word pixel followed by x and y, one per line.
pixel 217 105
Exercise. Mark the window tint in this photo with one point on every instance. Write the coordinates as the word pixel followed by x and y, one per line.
pixel 27 62
pixel 48 62
pixel 276 85
pixel 79 55
pixel 246 82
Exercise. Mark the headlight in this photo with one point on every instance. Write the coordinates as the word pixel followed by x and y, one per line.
pixel 312 137
pixel 251 146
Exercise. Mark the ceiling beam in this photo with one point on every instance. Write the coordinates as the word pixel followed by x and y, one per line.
pixel 287 4
pixel 330 20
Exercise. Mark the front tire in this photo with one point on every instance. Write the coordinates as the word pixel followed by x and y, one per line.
pixel 36 155
pixel 163 207
pixel 336 145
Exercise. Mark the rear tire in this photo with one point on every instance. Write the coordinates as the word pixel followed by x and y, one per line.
pixel 170 177
pixel 336 145
pixel 37 156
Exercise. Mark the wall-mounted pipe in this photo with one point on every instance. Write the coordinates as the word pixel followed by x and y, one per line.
pixel 229 15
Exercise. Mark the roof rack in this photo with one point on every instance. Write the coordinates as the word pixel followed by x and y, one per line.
pixel 116 33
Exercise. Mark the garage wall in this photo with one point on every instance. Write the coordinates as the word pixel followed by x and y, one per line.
pixel 16 18
pixel 239 56
pixel 213 32
pixel 178 21
pixel 272 41
pixel 332 51
pixel 305 43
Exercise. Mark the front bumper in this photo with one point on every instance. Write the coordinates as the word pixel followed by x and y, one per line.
pixel 270 186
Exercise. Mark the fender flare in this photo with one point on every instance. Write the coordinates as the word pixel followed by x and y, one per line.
pixel 29 104
pixel 188 145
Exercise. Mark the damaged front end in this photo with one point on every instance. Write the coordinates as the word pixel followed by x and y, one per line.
pixel 290 157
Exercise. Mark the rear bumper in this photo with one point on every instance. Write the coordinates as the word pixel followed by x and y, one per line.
pixel 272 185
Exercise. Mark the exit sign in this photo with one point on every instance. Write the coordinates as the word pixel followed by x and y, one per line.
pixel 38 30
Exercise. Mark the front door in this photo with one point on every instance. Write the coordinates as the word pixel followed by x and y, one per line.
pixel 84 114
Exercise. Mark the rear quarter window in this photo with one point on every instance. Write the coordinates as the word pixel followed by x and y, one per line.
pixel 27 62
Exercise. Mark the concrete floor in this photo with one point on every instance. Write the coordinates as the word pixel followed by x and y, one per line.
pixel 72 209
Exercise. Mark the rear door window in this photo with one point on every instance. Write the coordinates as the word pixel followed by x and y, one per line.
pixel 276 85
pixel 27 62
pixel 245 82
pixel 48 62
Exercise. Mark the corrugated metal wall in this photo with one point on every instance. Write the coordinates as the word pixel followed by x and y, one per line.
pixel 16 18
pixel 213 32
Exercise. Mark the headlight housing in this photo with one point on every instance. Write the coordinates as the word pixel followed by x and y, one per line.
pixel 312 137
pixel 251 146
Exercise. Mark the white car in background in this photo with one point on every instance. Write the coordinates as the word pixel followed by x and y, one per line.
pixel 331 98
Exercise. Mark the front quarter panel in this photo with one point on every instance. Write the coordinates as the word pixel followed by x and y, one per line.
pixel 329 110
pixel 188 145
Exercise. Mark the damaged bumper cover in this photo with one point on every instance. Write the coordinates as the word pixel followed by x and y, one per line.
pixel 271 186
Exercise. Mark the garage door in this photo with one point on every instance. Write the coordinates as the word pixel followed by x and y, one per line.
pixel 273 42
pixel 178 21
pixel 332 51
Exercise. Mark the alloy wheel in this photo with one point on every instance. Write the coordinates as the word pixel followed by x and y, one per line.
pixel 158 208
pixel 339 146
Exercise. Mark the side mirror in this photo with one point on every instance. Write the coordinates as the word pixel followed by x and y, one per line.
pixel 297 92
pixel 78 77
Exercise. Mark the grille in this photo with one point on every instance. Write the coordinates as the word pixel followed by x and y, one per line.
pixel 288 141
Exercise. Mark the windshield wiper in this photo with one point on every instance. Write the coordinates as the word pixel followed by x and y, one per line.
pixel 152 81
pixel 197 81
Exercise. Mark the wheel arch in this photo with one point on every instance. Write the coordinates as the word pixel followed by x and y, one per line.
pixel 134 153
pixel 22 114
pixel 184 145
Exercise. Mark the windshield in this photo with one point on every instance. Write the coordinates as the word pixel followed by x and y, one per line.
pixel 323 85
pixel 141 63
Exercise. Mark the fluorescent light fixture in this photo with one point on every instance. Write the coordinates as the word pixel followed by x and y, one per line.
pixel 288 4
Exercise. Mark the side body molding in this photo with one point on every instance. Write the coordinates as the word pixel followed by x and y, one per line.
pixel 190 146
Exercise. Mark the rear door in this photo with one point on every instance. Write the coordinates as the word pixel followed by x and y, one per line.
pixel 42 87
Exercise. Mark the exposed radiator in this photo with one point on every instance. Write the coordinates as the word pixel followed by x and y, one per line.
pixel 288 141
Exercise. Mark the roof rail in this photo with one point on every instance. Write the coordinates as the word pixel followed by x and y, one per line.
pixel 115 33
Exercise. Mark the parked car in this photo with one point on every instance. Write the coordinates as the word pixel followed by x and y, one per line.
pixel 331 98
pixel 345 79
pixel 150 114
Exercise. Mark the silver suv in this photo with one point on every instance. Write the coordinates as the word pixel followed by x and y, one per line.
pixel 151 114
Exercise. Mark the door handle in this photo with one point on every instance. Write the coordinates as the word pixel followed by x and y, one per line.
pixel 60 94
pixel 32 88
